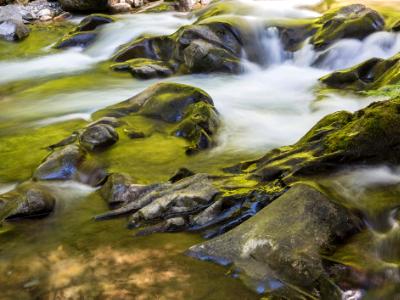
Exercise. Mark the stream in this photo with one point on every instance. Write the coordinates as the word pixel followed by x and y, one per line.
pixel 44 93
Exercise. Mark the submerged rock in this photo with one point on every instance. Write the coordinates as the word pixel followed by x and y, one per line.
pixel 29 200
pixel 285 239
pixel 353 21
pixel 70 163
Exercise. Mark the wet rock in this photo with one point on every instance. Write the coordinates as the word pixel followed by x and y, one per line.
pixel 164 201
pixel 116 189
pixel 92 22
pixel 84 5
pixel 206 46
pixel 353 21
pixel 85 33
pixel 203 57
pixel 79 39
pixel 145 68
pixel 67 141
pixel 189 111
pixel 98 137
pixel 155 48
pixel 371 74
pixel 287 246
pixel 13 30
pixel 29 200
pixel 70 163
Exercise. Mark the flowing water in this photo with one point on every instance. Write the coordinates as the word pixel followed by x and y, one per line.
pixel 48 93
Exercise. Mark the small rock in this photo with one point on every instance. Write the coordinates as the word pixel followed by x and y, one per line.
pixel 98 137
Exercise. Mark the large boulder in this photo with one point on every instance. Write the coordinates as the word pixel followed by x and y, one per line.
pixel 353 21
pixel 29 200
pixel 84 5
pixel 284 240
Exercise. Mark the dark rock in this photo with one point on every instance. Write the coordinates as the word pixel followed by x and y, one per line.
pixel 287 246
pixel 92 22
pixel 84 5
pixel 98 137
pixel 79 39
pixel 353 21
pixel 29 200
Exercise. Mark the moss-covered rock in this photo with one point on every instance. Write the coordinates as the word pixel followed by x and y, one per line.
pixel 353 21
pixel 184 111
pixel 143 68
pixel 211 45
pixel 28 200
pixel 371 74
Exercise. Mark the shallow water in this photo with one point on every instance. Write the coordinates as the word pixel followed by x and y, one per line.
pixel 49 93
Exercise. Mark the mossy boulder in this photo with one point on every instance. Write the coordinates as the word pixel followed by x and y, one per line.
pixel 184 111
pixel 28 200
pixel 371 74
pixel 285 240
pixel 353 21
pixel 369 136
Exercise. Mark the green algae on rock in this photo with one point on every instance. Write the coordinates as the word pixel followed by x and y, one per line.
pixel 372 74
pixel 184 111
